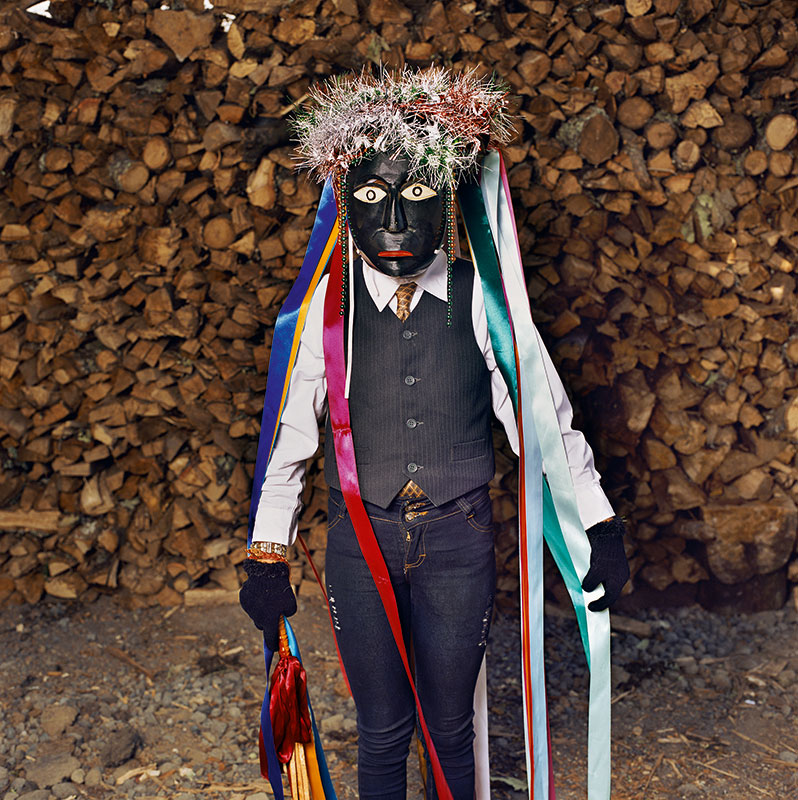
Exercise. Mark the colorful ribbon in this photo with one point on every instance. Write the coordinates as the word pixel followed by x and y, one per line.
pixel 285 344
pixel 547 507
pixel 551 500
pixel 512 359
pixel 287 332
pixel 318 772
pixel 335 368
pixel 320 781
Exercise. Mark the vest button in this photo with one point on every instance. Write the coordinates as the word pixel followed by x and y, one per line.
pixel 410 380
pixel 407 334
pixel 411 423
pixel 412 467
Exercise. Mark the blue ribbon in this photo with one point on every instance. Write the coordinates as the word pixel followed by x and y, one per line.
pixel 267 734
pixel 324 772
pixel 285 329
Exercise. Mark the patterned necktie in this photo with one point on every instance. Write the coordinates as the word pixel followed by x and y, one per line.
pixel 404 294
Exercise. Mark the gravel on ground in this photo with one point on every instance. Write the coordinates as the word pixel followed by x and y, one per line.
pixel 99 702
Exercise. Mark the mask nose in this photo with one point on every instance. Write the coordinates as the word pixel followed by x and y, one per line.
pixel 395 220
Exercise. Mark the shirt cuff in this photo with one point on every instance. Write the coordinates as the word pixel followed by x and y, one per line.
pixel 592 504
pixel 276 525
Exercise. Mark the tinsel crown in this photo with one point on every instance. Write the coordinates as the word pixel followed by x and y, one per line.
pixel 441 121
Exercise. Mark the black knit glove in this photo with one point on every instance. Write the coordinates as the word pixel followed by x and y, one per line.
pixel 608 564
pixel 265 595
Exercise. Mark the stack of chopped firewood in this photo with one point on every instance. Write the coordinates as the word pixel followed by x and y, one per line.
pixel 151 224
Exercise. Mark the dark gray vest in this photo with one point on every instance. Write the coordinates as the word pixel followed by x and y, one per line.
pixel 420 398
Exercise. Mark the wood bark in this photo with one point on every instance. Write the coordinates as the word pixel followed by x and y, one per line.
pixel 152 223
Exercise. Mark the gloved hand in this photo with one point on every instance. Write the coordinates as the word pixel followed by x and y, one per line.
pixel 265 595
pixel 608 564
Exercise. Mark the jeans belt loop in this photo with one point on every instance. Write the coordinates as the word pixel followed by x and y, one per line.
pixel 465 507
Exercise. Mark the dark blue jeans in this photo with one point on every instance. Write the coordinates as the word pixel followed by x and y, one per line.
pixel 442 568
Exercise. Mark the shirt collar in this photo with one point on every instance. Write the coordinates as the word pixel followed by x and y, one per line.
pixel 382 287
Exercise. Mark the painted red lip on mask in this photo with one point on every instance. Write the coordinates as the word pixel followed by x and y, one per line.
pixel 395 254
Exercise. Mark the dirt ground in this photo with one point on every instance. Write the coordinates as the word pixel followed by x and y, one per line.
pixel 683 726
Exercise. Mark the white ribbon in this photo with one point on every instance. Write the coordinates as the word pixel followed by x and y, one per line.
pixel 540 420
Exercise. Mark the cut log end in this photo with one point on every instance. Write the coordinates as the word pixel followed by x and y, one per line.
pixel 780 131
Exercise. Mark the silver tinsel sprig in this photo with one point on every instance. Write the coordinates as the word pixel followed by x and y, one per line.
pixel 441 121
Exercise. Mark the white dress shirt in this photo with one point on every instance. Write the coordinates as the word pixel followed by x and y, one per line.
pixel 306 404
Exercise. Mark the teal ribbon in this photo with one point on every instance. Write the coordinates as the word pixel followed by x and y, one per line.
pixel 494 243
pixel 469 198
pixel 481 240
pixel 566 539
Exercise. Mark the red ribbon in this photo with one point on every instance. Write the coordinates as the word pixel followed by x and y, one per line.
pixel 288 706
pixel 347 473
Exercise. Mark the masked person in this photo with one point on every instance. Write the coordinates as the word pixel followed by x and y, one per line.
pixel 401 345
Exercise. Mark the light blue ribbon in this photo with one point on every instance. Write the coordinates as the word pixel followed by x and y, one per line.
pixel 563 530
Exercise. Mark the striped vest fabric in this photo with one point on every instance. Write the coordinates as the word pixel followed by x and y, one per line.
pixel 420 398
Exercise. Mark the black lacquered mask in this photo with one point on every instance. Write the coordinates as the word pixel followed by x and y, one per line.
pixel 396 221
